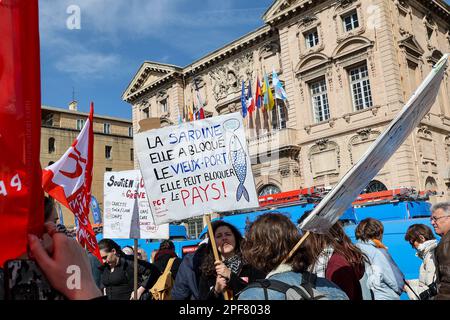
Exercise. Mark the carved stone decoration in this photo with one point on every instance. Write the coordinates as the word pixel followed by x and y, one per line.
pixel 322 144
pixel 306 21
pixel 286 5
pixel 199 81
pixel 319 158
pixel 332 122
pixel 347 117
pixel 344 3
pixel 308 129
pixel 371 60
pixel 329 76
pixel 302 91
pixel 226 79
pixel 285 172
pixel 424 132
pixel 162 94
pixel 269 49
pixel 375 110
pixel 296 171
pixel 144 103
pixel 365 135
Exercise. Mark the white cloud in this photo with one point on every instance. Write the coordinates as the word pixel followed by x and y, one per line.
pixel 92 65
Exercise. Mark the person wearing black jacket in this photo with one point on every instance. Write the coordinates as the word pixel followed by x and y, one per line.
pixel 118 270
pixel 231 274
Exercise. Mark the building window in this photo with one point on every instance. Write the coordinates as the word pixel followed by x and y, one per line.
pixel 195 227
pixel 312 38
pixel 108 152
pixel 80 124
pixel 360 84
pixel 164 107
pixel 107 128
pixel 269 189
pixel 108 169
pixel 131 154
pixel 48 120
pixel 350 21
pixel 146 113
pixel 374 186
pixel 130 131
pixel 319 98
pixel 51 145
pixel 279 115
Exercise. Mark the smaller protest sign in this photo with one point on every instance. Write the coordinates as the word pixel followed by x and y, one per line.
pixel 127 212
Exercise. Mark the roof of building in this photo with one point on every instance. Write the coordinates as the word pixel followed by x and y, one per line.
pixel 86 114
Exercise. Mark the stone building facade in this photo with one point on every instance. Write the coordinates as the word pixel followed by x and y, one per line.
pixel 348 67
pixel 113 145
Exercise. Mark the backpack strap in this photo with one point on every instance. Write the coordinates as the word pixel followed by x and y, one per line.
pixel 309 282
pixel 169 265
pixel 278 286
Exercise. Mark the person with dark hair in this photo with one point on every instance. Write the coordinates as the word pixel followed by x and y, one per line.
pixel 268 242
pixel 118 272
pixel 164 254
pixel 422 239
pixel 230 274
pixel 337 259
pixel 385 279
pixel 440 220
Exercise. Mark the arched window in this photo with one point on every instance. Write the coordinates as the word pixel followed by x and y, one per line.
pixel 374 186
pixel 269 189
pixel 430 184
pixel 51 145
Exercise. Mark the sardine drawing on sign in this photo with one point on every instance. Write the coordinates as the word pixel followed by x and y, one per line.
pixel 237 158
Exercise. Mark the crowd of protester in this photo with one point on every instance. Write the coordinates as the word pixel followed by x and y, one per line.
pixel 257 265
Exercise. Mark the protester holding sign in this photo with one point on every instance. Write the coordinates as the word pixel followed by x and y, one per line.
pixel 230 274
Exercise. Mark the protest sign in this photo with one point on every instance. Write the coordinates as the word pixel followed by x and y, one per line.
pixel 127 212
pixel 356 179
pixel 196 168
pixel 21 194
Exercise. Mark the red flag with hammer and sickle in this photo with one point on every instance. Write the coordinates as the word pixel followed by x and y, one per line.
pixel 69 181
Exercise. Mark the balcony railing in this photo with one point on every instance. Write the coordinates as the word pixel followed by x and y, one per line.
pixel 272 141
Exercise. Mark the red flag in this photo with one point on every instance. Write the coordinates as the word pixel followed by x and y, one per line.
pixel 69 181
pixel 21 195
pixel 202 113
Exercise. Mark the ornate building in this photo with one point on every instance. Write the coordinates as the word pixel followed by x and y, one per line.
pixel 348 67
pixel 113 144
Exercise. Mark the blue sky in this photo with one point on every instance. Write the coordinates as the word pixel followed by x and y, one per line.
pixel 116 37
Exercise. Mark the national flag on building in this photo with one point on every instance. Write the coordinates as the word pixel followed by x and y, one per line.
pixel 269 102
pixel 243 101
pixel 69 181
pixel 278 87
pixel 250 100
pixel 258 96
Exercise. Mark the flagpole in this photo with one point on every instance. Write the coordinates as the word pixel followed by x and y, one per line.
pixel 135 268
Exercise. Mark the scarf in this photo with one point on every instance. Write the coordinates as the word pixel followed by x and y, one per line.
pixel 379 244
pixel 426 247
pixel 234 263
pixel 320 266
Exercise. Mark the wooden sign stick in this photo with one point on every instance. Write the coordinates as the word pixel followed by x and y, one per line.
pixel 296 246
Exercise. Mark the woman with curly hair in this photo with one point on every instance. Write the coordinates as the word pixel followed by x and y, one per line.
pixel 231 274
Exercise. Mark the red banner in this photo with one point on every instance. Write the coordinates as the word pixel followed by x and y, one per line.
pixel 69 181
pixel 21 196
